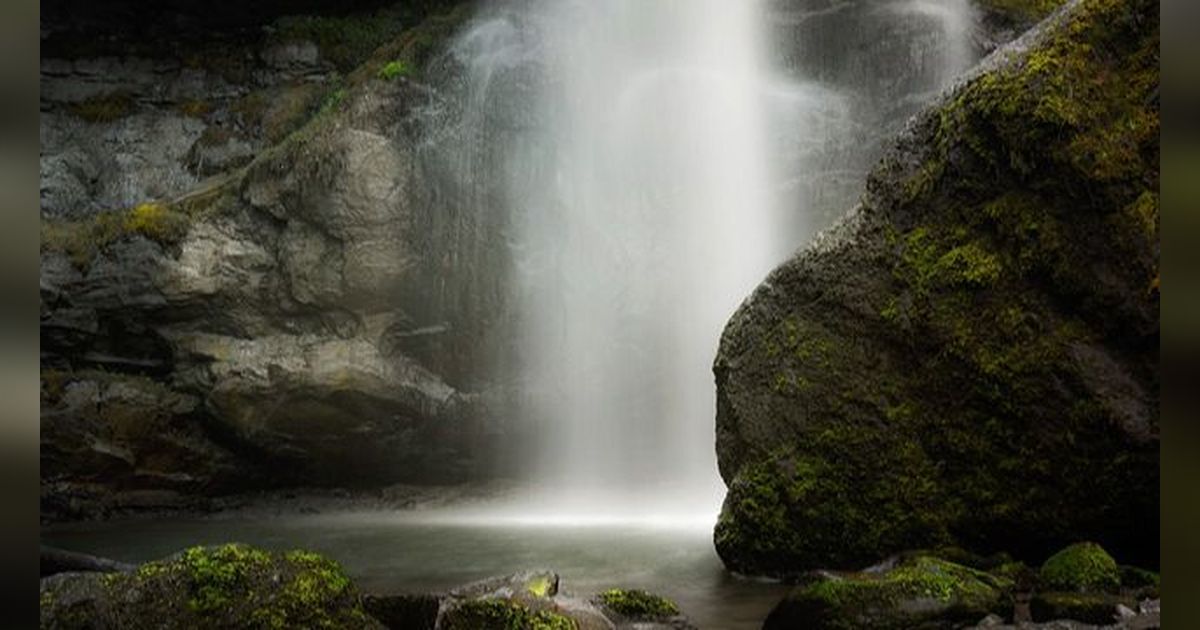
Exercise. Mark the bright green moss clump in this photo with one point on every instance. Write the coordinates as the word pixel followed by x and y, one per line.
pixel 502 614
pixel 638 604
pixel 393 69
pixel 1082 567
pixel 916 591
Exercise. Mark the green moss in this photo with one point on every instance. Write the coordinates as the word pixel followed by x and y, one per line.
pixel 395 68
pixel 638 604
pixel 234 585
pixel 217 574
pixel 502 614
pixel 824 511
pixel 539 586
pixel 927 264
pixel 915 591
pixel 1083 567
pixel 81 240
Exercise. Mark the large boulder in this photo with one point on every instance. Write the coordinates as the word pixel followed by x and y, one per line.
pixel 971 356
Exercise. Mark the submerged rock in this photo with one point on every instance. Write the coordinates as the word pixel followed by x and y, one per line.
pixel 230 586
pixel 917 592
pixel 971 356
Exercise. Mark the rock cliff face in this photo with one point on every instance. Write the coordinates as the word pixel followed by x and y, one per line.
pixel 971 356
pixel 240 284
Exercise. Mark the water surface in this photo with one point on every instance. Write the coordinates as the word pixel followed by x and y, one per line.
pixel 429 551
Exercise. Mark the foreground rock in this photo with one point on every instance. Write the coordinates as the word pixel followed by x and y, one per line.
pixel 971 357
pixel 1079 585
pixel 920 592
pixel 237 586
pixel 231 586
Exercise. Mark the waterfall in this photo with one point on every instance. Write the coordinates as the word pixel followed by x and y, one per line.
pixel 649 162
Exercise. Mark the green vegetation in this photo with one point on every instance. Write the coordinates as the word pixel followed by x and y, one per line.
pixel 838 509
pixel 502 614
pixel 215 574
pixel 539 586
pixel 917 590
pixel 229 586
pixel 82 239
pixel 395 68
pixel 1082 567
pixel 636 604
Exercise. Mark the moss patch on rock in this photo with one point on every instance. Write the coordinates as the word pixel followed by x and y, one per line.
pixel 1082 567
pixel 502 614
pixel 228 586
pixel 637 604
pixel 918 592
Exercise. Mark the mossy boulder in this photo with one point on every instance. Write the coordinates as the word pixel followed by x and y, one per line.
pixel 970 357
pixel 920 591
pixel 229 586
pixel 1082 567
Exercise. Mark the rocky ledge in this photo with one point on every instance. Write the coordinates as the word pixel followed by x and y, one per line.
pixel 242 283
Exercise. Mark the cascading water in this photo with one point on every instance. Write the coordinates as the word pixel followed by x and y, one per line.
pixel 648 162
